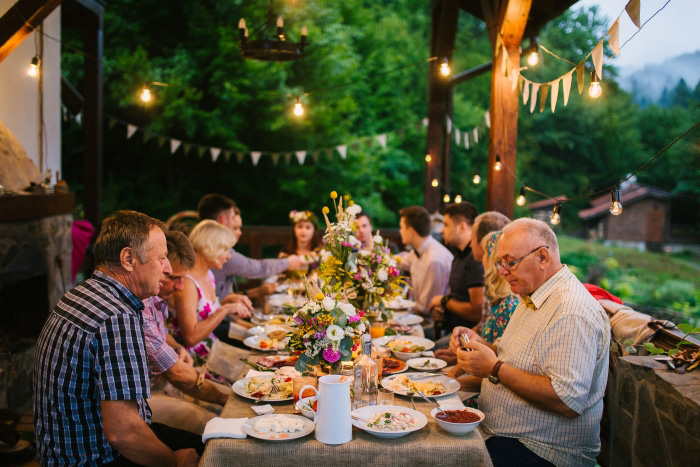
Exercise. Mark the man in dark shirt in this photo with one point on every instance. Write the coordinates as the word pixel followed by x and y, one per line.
pixel 462 306
pixel 91 371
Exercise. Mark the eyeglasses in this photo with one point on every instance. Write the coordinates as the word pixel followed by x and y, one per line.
pixel 508 265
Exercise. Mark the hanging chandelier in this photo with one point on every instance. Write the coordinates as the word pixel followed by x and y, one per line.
pixel 275 49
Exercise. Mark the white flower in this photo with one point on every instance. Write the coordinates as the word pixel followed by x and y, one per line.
pixel 347 308
pixel 354 241
pixel 335 332
pixel 382 275
pixel 378 239
pixel 354 210
pixel 361 327
pixel 364 253
pixel 328 303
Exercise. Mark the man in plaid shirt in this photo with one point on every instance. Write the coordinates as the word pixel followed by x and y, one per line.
pixel 91 373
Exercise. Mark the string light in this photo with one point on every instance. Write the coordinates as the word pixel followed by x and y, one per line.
pixel 280 28
pixel 435 182
pixel 33 69
pixel 446 198
pixel 146 94
pixel 533 57
pixel 595 90
pixel 458 199
pixel 498 165
pixel 615 204
pixel 555 218
pixel 476 179
pixel 445 67
pixel 428 158
pixel 298 107
pixel 520 201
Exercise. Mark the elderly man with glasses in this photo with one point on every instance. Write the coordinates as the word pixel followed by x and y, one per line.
pixel 543 383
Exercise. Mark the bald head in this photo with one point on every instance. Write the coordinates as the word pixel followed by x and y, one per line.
pixel 534 233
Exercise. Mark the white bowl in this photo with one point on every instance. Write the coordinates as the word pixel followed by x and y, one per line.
pixel 417 363
pixel 302 403
pixel 458 428
pixel 406 356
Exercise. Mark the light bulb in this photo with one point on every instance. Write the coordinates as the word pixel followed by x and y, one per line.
pixel 595 90
pixel 241 23
pixel 298 108
pixel 146 94
pixel 476 179
pixel 434 182
pixel 533 58
pixel 33 69
pixel 446 198
pixel 458 199
pixel 555 218
pixel 428 158
pixel 445 67
pixel 280 28
pixel 498 165
pixel 280 22
pixel 520 201
pixel 615 204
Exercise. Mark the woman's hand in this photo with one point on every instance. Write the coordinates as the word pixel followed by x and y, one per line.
pixel 238 310
pixel 238 298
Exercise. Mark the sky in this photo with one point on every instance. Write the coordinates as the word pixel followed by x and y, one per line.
pixel 672 32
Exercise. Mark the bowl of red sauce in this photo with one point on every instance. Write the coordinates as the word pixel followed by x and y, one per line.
pixel 458 421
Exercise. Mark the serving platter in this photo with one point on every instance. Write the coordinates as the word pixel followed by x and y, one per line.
pixel 248 429
pixel 366 412
pixel 451 385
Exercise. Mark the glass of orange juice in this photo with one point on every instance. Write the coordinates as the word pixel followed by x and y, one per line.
pixel 377 329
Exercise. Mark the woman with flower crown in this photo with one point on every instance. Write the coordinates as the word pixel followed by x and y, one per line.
pixel 305 237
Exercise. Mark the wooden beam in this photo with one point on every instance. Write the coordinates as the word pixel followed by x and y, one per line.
pixel 503 135
pixel 470 73
pixel 21 20
pixel 71 97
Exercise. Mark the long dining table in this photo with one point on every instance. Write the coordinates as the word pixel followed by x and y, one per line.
pixel 429 446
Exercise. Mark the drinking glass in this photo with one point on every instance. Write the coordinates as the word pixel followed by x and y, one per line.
pixel 301 381
pixel 377 330
pixel 385 397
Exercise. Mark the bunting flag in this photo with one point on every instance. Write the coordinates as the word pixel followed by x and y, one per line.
pixel 368 142
pixel 79 118
pixel 161 141
pixel 342 150
pixel 381 139
pixel 201 150
pixel 146 136
pixel 632 9
pixel 287 157
pixel 579 75
pixel 186 148
pixel 314 156
pixel 597 56
pixel 449 125
pixel 174 144
pixel 614 34
pixel 329 154
pixel 130 130
pixel 215 154
pixel 566 86
pixel 476 135
pixel 533 97
pixel 227 155
pixel 458 136
pixel 255 157
pixel 111 122
pixel 301 156
pixel 466 141
pixel 240 156
pixel 555 95
pixel 543 96
pixel 487 119
pixel 401 133
pixel 526 91
pixel 425 122
pixel 275 156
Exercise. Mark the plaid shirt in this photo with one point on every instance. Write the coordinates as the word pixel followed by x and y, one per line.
pixel 161 357
pixel 91 349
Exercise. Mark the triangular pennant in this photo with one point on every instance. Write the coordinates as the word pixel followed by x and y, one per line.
pixel 458 136
pixel 401 133
pixel 342 150
pixel 275 158
pixel 614 33
pixel 301 156
pixel 449 125
pixel 425 122
pixel 255 157
pixel 368 142
pixel 329 154
pixel 314 156
pixel 146 136
pixel 597 56
pixel 161 141
pixel 201 150
pixel 174 144
pixel 566 83
pixel 355 146
pixel 555 95
pixel 381 139
pixel 476 135
pixel 130 130
pixel 112 122
pixel 466 140
pixel 215 154
pixel 579 75
pixel 519 85
pixel 526 91
pixel 533 97
pixel 287 157
pixel 514 79
pixel 79 118
pixel 487 119
pixel 240 156
pixel 632 8
pixel 227 156
pixel 543 96
pixel 186 147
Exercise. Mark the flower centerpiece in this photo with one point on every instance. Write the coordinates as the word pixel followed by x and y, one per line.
pixel 325 329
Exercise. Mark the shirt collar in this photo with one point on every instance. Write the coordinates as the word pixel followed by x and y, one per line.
pixel 425 245
pixel 537 298
pixel 136 304
pixel 463 253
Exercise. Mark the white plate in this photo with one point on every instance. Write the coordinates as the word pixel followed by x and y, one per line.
pixel 383 341
pixel 262 320
pixel 309 427
pixel 400 304
pixel 254 343
pixel 451 385
pixel 240 385
pixel 280 300
pixel 417 363
pixel 264 329
pixel 367 412
pixel 409 320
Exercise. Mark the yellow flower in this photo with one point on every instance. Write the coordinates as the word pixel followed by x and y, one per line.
pixel 319 296
pixel 351 202
pixel 325 210
pixel 334 194
pixel 346 197
pixel 398 259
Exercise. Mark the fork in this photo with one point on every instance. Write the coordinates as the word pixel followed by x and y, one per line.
pixel 355 417
pixel 428 400
pixel 273 391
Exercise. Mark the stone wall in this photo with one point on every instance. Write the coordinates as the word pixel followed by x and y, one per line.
pixel 655 416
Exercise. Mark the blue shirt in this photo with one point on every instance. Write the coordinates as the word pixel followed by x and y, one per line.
pixel 90 349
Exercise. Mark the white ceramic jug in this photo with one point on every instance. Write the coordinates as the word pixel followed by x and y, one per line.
pixel 333 421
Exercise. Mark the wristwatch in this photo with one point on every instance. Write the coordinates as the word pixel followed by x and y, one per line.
pixel 444 300
pixel 493 377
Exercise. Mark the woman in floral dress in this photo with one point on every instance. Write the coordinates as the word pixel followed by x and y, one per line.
pixel 197 308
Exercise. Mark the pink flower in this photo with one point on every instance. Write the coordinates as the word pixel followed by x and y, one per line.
pixel 354 318
pixel 360 313
pixel 331 355
pixel 201 350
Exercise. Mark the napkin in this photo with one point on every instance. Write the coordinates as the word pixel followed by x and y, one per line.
pixel 262 409
pixel 428 353
pixel 450 402
pixel 224 428
pixel 253 373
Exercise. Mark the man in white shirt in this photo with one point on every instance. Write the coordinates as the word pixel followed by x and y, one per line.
pixel 429 263
pixel 543 385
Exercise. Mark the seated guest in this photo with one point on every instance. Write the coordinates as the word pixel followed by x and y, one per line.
pixel 165 356
pixel 462 306
pixel 91 370
pixel 543 400
pixel 363 232
pixel 429 262
pixel 224 211
pixel 305 238
pixel 198 311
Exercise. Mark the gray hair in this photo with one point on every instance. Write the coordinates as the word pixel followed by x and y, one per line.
pixel 124 229
pixel 537 232
pixel 490 221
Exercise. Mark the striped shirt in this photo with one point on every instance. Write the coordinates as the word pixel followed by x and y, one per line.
pixel 90 349
pixel 161 357
pixel 242 266
pixel 566 338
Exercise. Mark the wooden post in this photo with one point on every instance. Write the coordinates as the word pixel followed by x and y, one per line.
pixel 21 20
pixel 509 17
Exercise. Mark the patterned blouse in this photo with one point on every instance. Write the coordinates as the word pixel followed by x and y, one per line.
pixel 498 318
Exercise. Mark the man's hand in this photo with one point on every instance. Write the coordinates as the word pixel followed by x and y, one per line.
pixel 454 339
pixel 296 262
pixel 446 354
pixel 186 458
pixel 437 313
pixel 435 301
pixel 238 298
pixel 236 309
pixel 184 356
pixel 479 362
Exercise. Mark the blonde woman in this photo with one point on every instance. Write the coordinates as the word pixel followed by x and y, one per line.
pixel 497 289
pixel 198 311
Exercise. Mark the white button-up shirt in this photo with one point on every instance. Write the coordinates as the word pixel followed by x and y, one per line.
pixel 430 271
pixel 567 339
